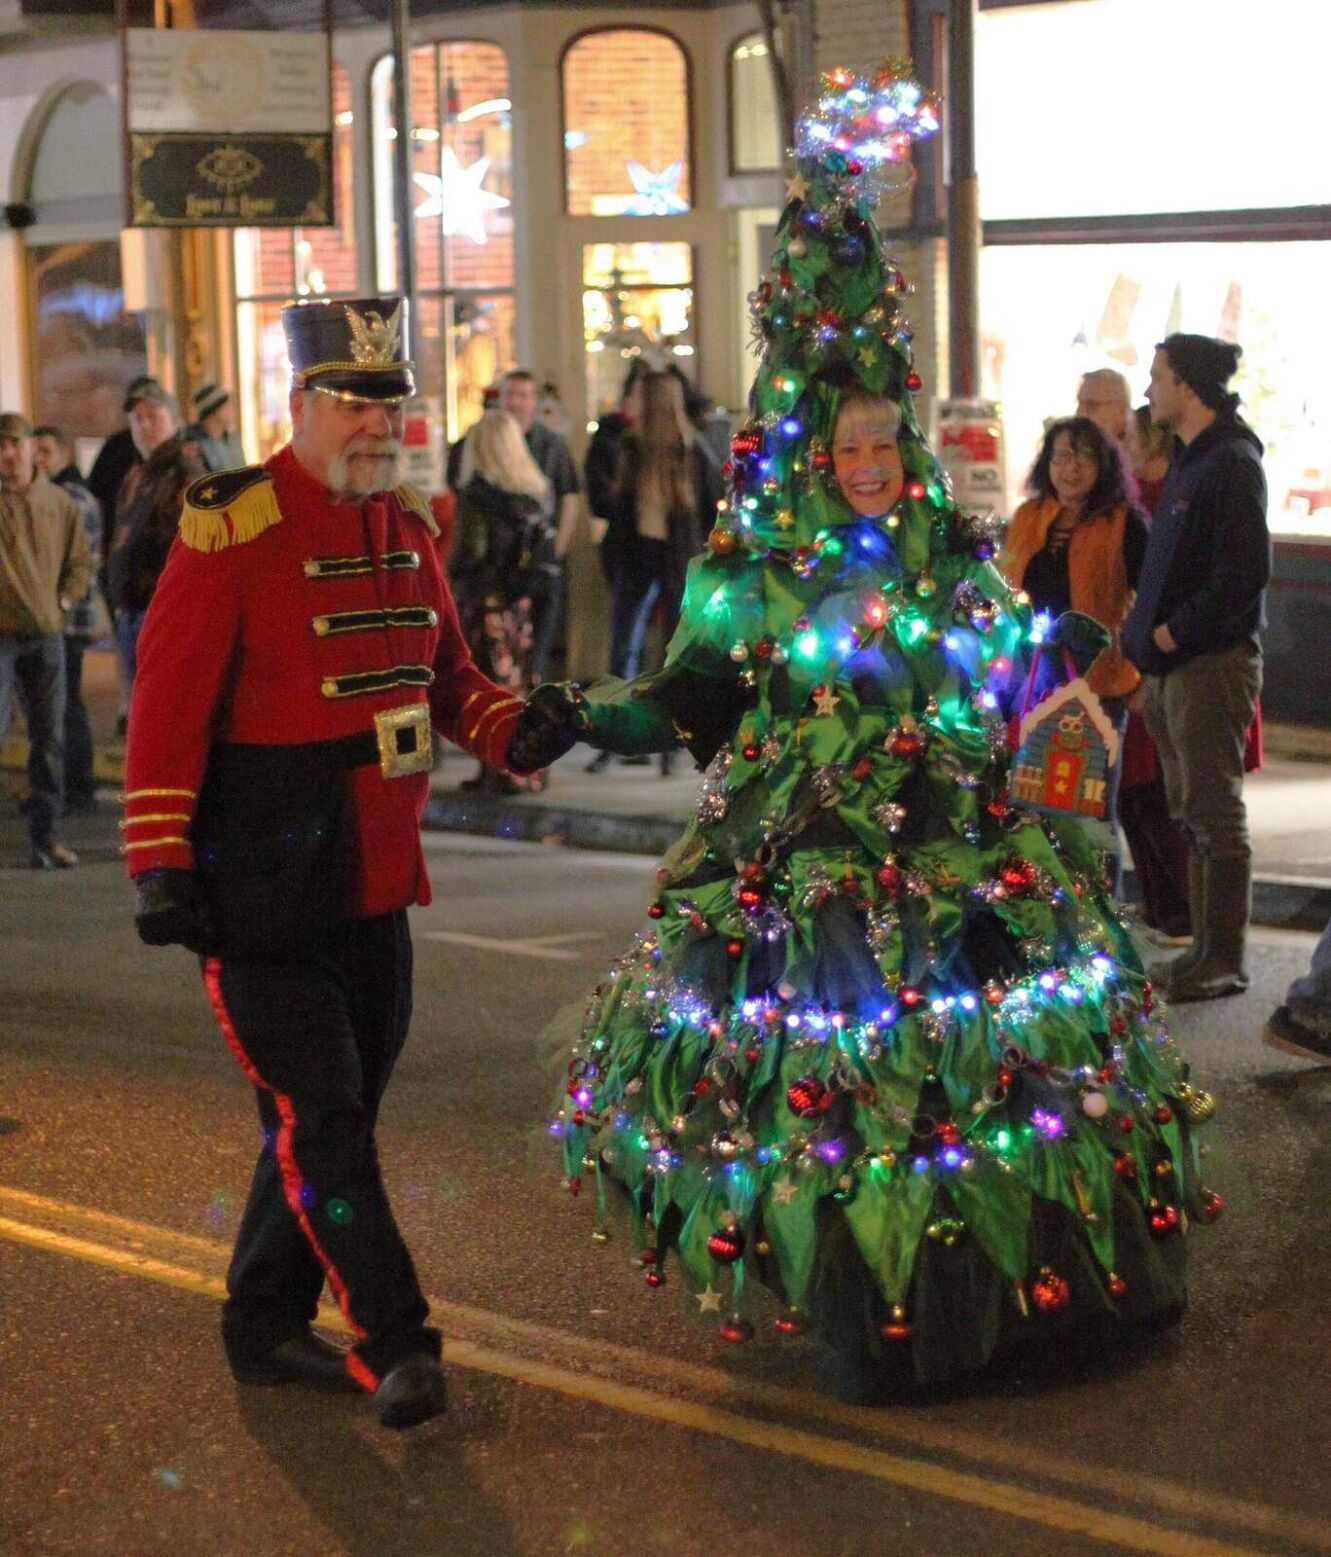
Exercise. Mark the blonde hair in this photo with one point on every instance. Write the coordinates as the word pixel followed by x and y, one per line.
pixel 658 454
pixel 496 450
pixel 861 410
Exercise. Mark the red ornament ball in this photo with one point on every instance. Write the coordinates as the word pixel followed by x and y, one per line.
pixel 888 876
pixel 1211 1206
pixel 1125 1165
pixel 897 1327
pixel 751 751
pixel 808 1097
pixel 1018 875
pixel 1118 1288
pixel 656 910
pixel 1163 1114
pixel 736 1329
pixel 792 1322
pixel 747 441
pixel 913 380
pixel 734 948
pixel 915 489
pixel 1126 1123
pixel 1163 1221
pixel 907 745
pixel 726 1245
pixel 654 1278
pixel 1050 1292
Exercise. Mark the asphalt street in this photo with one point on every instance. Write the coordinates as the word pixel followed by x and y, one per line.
pixel 589 1415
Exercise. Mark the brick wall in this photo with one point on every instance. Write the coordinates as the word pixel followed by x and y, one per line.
pixel 626 91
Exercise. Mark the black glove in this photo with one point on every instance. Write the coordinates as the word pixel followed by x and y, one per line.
pixel 550 722
pixel 169 910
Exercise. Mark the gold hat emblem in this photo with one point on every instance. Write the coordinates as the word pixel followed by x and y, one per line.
pixel 374 339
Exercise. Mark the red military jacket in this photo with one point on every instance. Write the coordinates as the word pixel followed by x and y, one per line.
pixel 283 618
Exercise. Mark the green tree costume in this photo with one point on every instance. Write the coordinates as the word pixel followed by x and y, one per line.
pixel 888 1049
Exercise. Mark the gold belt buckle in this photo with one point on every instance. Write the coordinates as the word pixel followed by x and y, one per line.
pixel 403 735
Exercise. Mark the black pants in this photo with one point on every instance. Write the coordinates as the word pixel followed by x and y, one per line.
pixel 318 1039
pixel 79 786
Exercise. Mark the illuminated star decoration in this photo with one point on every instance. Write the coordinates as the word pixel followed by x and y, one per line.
pixel 458 198
pixel 709 1300
pixel 825 700
pixel 859 132
pixel 656 192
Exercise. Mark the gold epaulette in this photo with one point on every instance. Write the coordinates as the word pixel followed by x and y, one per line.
pixel 416 500
pixel 229 507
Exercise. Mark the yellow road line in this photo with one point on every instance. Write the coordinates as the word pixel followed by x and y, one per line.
pixel 977 1491
pixel 1176 1502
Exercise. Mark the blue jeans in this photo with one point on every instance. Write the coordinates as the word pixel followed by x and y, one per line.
pixel 1309 997
pixel 33 669
pixel 639 582
pixel 128 626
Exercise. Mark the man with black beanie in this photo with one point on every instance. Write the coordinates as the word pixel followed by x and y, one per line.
pixel 1194 632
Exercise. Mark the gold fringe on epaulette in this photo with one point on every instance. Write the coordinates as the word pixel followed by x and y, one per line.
pixel 416 500
pixel 214 529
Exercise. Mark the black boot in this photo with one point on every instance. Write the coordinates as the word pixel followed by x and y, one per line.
pixel 1219 969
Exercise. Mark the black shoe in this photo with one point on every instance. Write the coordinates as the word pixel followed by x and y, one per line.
pixel 1285 1031
pixel 305 1359
pixel 1199 983
pixel 412 1392
pixel 599 763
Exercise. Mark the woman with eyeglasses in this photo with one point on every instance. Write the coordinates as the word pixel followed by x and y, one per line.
pixel 1077 544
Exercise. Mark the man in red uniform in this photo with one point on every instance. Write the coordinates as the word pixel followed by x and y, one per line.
pixel 300 643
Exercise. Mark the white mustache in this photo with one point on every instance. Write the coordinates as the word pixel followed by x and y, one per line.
pixel 372 448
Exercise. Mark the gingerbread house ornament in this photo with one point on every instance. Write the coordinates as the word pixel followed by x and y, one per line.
pixel 1067 745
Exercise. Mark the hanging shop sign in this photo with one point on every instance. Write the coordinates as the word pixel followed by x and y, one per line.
pixel 968 435
pixel 228 129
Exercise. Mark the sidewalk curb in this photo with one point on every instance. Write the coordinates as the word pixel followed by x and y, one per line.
pixel 1279 902
pixel 567 827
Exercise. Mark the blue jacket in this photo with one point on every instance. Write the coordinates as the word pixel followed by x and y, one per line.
pixel 1208 559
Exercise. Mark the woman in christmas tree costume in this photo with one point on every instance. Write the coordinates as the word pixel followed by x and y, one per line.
pixel 887 1049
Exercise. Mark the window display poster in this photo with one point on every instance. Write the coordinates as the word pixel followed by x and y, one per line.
pixel 968 438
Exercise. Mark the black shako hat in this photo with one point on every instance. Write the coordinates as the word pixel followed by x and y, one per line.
pixel 356 349
pixel 1205 365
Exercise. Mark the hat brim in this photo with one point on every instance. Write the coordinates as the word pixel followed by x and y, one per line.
pixel 390 385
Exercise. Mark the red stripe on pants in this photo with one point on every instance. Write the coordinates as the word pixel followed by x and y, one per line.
pixel 293 1185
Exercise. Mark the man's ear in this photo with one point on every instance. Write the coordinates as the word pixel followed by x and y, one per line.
pixel 296 405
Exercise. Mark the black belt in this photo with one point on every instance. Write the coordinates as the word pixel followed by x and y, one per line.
pixel 398 744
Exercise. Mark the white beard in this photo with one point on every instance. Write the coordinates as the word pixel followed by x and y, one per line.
pixel 366 466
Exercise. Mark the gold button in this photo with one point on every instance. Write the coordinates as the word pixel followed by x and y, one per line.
pixel 320 625
pixel 329 687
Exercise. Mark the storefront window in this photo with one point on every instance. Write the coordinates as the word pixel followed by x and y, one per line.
pixel 463 232
pixel 755 137
pixel 1132 106
pixel 1106 305
pixel 626 125
pixel 276 265
pixel 85 346
pixel 637 301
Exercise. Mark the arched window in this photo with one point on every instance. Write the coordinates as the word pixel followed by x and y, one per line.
pixel 626 124
pixel 462 219
pixel 85 346
pixel 755 135
pixel 277 265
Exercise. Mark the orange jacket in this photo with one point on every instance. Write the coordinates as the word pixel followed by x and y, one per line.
pixel 1097 576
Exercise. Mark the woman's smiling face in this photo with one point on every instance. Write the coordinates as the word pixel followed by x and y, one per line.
pixel 866 460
